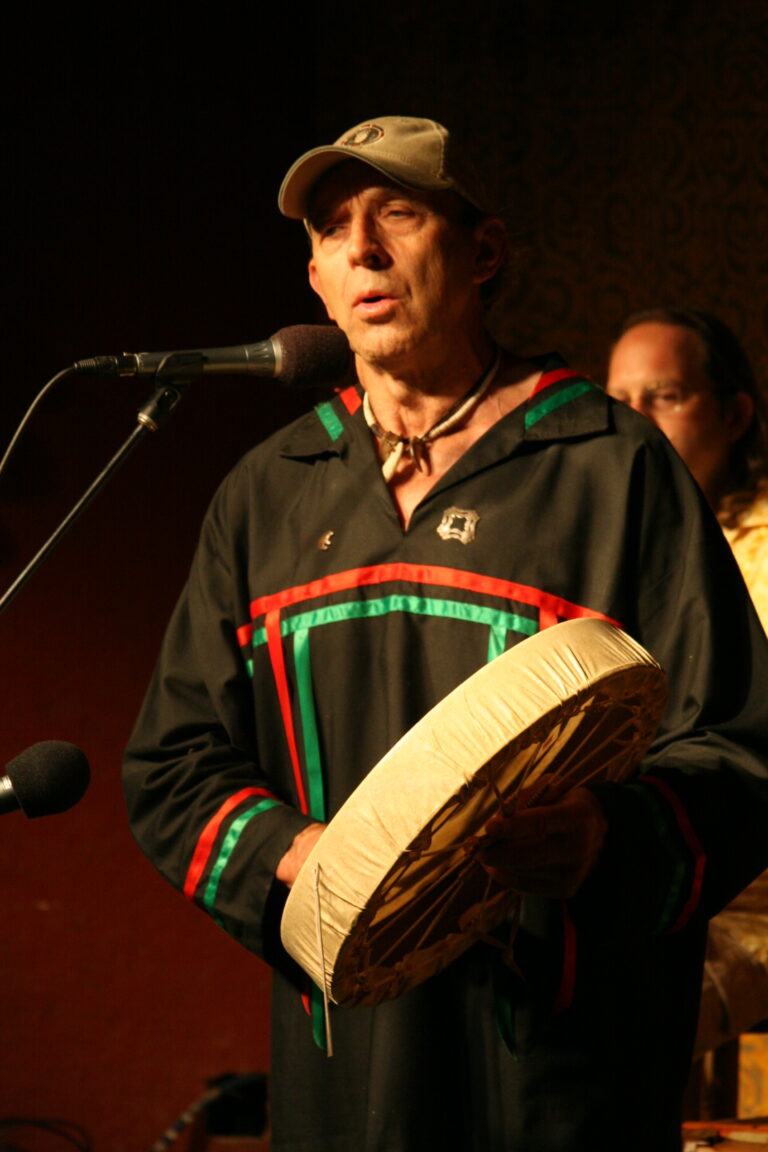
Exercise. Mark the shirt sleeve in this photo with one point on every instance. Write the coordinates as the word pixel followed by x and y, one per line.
pixel 690 833
pixel 212 819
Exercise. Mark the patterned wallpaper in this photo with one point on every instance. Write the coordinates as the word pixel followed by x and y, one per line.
pixel 629 143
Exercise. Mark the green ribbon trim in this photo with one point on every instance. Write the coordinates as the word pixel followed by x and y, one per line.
pixel 314 768
pixel 318 1016
pixel 505 1021
pixel 497 641
pixel 502 622
pixel 228 846
pixel 572 392
pixel 312 759
pixel 667 834
pixel 329 419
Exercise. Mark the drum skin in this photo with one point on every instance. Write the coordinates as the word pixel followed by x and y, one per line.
pixel 393 890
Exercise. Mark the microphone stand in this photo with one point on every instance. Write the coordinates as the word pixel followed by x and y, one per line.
pixel 178 370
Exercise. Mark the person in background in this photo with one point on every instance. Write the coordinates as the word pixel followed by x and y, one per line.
pixel 687 372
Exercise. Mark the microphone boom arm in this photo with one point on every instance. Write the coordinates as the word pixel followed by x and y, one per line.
pixel 182 369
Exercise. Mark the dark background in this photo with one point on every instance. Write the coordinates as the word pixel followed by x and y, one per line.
pixel 142 159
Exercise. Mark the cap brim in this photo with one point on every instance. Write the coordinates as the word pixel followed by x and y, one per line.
pixel 293 197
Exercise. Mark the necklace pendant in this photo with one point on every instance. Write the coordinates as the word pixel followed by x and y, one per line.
pixel 418 451
pixel 389 443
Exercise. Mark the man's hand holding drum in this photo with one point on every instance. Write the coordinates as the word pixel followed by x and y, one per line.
pixel 548 849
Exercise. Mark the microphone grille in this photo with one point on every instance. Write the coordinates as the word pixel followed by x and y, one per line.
pixel 312 354
pixel 49 777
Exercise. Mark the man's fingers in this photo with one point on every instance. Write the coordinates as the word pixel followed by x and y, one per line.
pixel 548 849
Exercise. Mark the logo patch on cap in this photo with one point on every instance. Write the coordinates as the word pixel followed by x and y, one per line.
pixel 365 134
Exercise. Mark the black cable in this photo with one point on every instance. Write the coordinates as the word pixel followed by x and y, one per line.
pixel 29 412
pixel 70 1132
pixel 222 1086
pixel 185 1118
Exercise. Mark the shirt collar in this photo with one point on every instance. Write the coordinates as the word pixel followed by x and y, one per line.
pixel 563 405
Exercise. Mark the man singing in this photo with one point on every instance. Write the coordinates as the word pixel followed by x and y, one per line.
pixel 356 567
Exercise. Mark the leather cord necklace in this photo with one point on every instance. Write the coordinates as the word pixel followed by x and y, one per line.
pixel 393 446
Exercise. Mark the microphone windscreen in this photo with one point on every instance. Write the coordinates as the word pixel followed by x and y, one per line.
pixel 312 354
pixel 49 777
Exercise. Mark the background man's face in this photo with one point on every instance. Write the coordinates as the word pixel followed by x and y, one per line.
pixel 394 267
pixel 658 369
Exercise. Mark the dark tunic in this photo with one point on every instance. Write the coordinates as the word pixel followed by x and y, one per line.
pixel 314 631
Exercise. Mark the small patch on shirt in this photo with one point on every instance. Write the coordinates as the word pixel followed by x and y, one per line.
pixel 458 524
pixel 324 542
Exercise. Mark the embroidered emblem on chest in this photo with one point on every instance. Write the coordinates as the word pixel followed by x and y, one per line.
pixel 325 541
pixel 458 524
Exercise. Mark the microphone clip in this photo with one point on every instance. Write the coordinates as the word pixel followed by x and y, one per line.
pixel 180 369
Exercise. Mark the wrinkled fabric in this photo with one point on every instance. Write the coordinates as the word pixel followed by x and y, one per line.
pixel 314 631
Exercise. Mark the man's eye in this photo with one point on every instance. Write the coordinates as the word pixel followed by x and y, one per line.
pixel 665 400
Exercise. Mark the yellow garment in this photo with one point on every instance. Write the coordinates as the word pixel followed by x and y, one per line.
pixel 749 542
pixel 735 990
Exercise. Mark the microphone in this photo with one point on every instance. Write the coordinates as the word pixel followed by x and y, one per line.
pixel 300 356
pixel 48 777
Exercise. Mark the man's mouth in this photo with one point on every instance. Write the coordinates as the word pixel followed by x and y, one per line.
pixel 372 297
pixel 375 305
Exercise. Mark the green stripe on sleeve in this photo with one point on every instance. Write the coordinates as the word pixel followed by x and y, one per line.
pixel 228 846
pixel 670 840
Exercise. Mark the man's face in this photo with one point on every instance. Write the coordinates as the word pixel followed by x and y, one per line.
pixel 658 369
pixel 394 267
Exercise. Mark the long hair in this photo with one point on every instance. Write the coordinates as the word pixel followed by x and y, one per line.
pixel 728 367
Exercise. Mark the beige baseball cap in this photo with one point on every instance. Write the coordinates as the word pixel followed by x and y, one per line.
pixel 413 152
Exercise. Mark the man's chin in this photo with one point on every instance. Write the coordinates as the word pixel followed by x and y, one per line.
pixel 382 345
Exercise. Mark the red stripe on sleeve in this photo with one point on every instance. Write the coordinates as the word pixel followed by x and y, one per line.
pixel 568 976
pixel 692 843
pixel 208 837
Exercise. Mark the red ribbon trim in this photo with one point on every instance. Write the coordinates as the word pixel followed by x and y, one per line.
pixel 692 843
pixel 553 607
pixel 568 975
pixel 208 836
pixel 275 647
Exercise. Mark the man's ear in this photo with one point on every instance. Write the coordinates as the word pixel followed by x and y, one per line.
pixel 739 415
pixel 490 248
pixel 314 281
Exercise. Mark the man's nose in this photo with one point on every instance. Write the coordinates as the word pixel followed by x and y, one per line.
pixel 642 403
pixel 365 245
pixel 638 402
